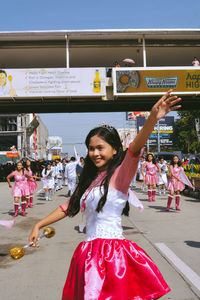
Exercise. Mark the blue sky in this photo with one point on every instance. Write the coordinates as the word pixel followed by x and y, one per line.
pixel 88 14
pixel 20 15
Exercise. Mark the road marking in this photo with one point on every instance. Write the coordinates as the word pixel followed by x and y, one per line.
pixel 180 265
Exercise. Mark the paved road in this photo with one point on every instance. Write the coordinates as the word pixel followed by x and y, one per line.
pixel 171 239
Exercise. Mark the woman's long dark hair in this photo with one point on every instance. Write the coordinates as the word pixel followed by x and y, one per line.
pixel 45 172
pixel 173 163
pixel 153 160
pixel 90 171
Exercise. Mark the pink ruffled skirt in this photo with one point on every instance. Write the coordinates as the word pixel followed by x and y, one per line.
pixel 32 185
pixel 175 185
pixel 20 189
pixel 113 269
pixel 151 179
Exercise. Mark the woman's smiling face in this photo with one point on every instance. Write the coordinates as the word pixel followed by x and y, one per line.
pixel 100 152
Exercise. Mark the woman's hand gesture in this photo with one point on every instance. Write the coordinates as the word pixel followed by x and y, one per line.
pixel 33 237
pixel 166 104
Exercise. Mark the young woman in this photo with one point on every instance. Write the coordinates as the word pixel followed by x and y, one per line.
pixel 106 265
pixel 141 177
pixel 175 184
pixel 48 181
pixel 32 185
pixel 162 180
pixel 20 189
pixel 151 178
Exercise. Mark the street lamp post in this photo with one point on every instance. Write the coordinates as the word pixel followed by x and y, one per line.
pixel 158 133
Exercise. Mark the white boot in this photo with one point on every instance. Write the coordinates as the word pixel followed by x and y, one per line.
pixel 49 195
pixel 46 196
pixel 159 190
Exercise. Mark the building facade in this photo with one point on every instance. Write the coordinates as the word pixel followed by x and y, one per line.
pixel 17 142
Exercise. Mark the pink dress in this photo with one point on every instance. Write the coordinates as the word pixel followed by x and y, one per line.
pixel 20 188
pixel 107 265
pixel 174 184
pixel 32 185
pixel 151 177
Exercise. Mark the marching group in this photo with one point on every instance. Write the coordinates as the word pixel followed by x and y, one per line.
pixel 57 173
pixel 54 175
pixel 155 173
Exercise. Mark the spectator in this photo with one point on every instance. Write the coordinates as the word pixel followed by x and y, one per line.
pixel 117 65
pixel 196 62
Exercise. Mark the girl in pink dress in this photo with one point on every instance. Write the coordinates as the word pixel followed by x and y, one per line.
pixel 20 189
pixel 175 184
pixel 106 265
pixel 32 185
pixel 151 177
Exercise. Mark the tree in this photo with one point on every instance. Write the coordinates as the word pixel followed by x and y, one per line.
pixel 185 136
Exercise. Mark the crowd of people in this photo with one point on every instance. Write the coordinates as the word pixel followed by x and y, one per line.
pixel 53 174
pixel 156 177
pixel 158 174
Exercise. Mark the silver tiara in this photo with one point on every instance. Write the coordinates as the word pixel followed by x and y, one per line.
pixel 108 127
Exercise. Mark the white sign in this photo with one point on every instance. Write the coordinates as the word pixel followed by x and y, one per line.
pixel 53 82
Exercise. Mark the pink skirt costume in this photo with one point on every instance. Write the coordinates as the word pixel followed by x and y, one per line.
pixel 20 188
pixel 106 265
pixel 32 185
pixel 151 177
pixel 173 183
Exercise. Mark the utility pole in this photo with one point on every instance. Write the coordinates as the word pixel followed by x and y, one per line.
pixel 158 133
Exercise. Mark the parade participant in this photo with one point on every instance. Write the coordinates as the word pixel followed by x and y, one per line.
pixel 177 182
pixel 64 163
pixel 48 181
pixel 141 177
pixel 32 185
pixel 151 178
pixel 59 167
pixel 162 180
pixel 54 174
pixel 20 189
pixel 79 167
pixel 106 265
pixel 70 174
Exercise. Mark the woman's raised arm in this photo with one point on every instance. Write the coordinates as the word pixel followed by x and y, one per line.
pixel 166 104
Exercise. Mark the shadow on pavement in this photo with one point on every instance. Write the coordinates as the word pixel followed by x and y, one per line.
pixel 192 244
pixel 77 229
pixel 127 227
pixel 162 209
pixel 192 200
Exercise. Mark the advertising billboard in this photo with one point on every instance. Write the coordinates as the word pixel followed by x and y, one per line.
pixel 166 128
pixel 127 135
pixel 132 115
pixel 52 82
pixel 156 81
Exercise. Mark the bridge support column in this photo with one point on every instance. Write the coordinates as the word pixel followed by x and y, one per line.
pixel 144 52
pixel 67 51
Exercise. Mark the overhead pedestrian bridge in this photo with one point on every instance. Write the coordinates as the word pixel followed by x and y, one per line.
pixel 74 71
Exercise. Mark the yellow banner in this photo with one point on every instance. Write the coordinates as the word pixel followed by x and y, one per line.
pixel 154 81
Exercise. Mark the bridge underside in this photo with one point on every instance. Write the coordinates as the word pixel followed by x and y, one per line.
pixel 72 105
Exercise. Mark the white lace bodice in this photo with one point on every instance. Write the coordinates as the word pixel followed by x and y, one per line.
pixel 105 224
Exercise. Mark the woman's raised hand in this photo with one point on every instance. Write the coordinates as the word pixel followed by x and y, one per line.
pixel 166 104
